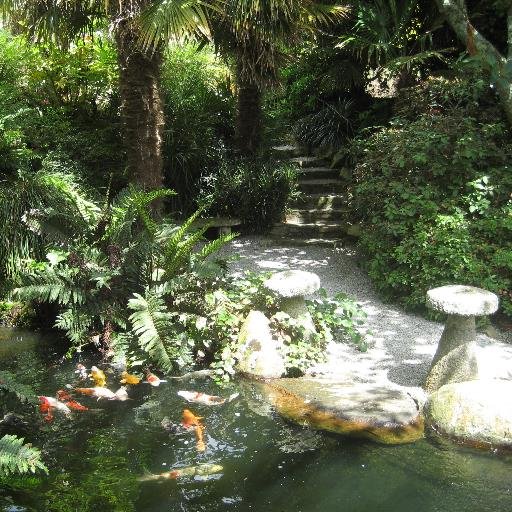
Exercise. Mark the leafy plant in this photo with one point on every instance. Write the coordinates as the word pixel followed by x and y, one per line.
pixel 442 179
pixel 254 191
pixel 17 457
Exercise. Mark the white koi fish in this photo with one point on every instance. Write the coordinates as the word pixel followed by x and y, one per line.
pixel 203 398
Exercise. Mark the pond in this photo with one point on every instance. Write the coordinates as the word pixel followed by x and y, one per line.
pixel 96 457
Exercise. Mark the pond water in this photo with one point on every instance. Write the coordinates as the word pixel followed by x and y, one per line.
pixel 96 457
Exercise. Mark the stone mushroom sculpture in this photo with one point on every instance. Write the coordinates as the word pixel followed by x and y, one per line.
pixel 452 360
pixel 291 286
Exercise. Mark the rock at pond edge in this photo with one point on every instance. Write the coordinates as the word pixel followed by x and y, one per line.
pixel 476 413
pixel 385 414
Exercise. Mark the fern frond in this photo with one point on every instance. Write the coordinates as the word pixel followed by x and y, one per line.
pixel 152 324
pixel 16 457
pixel 24 393
pixel 77 325
pixel 214 246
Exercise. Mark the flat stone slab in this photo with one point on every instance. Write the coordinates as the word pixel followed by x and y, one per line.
pixel 477 413
pixel 383 413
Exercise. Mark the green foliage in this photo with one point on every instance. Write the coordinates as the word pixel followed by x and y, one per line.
pixel 16 457
pixel 335 318
pixel 255 192
pixel 199 108
pixel 443 183
pixel 9 384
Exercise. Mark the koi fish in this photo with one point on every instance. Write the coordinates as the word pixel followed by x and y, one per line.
pixel 203 398
pixel 200 470
pixel 98 377
pixel 153 380
pixel 72 404
pixel 200 444
pixel 81 371
pixel 100 392
pixel 47 404
pixel 129 379
pixel 189 419
pixel 199 374
pixel 63 395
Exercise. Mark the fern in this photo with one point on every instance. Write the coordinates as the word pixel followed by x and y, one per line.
pixel 16 457
pixel 214 246
pixel 152 324
pixel 8 383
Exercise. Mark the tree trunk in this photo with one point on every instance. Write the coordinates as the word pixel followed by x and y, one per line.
pixel 456 14
pixel 249 122
pixel 141 109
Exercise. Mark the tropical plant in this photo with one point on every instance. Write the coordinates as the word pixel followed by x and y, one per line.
pixel 18 457
pixel 392 34
pixel 117 282
pixel 139 69
pixel 251 34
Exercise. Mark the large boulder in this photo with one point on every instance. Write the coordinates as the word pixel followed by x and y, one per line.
pixel 478 413
pixel 260 355
pixel 382 413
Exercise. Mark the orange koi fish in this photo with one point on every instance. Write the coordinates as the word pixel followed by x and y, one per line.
pixel 153 380
pixel 200 444
pixel 63 395
pixel 72 404
pixel 98 377
pixel 189 419
pixel 129 379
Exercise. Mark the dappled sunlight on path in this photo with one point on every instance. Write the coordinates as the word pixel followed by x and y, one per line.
pixel 401 345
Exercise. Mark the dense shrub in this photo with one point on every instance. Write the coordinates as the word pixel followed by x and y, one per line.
pixel 256 192
pixel 434 194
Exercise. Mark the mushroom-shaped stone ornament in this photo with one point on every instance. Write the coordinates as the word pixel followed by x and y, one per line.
pixel 461 304
pixel 456 358
pixel 290 287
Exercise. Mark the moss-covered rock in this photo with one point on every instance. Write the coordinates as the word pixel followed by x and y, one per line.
pixel 477 413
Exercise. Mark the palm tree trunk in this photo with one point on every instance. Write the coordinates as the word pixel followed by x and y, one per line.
pixel 141 109
pixel 249 118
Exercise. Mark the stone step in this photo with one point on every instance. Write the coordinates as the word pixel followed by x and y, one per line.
pixel 304 216
pixel 321 186
pixel 310 230
pixel 286 151
pixel 308 161
pixel 304 242
pixel 314 173
pixel 320 201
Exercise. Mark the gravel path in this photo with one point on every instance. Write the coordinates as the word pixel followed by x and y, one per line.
pixel 401 344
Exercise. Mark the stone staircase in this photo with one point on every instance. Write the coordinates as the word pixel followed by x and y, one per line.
pixel 317 215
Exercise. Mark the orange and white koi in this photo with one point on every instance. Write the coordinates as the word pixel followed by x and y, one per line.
pixel 192 471
pixel 153 380
pixel 203 398
pixel 47 404
pixel 67 399
pixel 99 378
pixel 127 378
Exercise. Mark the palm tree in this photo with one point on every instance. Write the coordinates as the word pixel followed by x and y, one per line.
pixel 252 34
pixel 62 21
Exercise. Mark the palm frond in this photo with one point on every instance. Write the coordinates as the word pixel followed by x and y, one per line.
pixel 17 457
